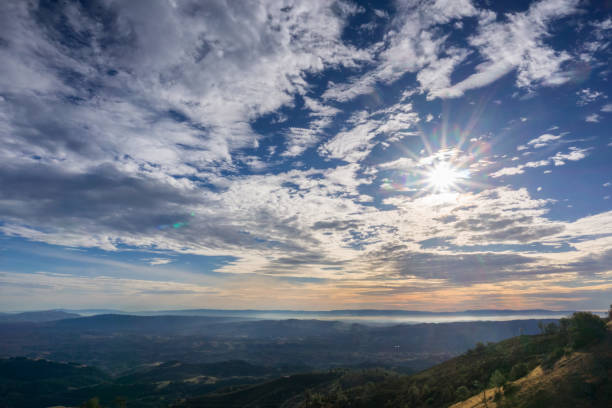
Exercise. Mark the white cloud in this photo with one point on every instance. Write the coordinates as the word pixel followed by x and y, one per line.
pixel 517 43
pixel 158 261
pixel 586 96
pixel 356 143
pixel 574 154
pixel 539 163
pixel 298 140
pixel 597 43
pixel 543 140
pixel 351 145
pixel 607 108
pixel 403 163
pixel 520 169
pixel 508 171
pixel 435 77
pixel 381 14
pixel 215 69
pixel 593 118
pixel 514 44
pixel 412 46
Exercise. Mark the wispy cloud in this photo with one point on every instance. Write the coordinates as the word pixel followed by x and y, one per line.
pixel 517 43
pixel 413 47
pixel 158 261
pixel 543 140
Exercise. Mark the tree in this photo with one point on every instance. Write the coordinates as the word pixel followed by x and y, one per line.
pixel 479 387
pixel 425 391
pixel 564 324
pixel 585 328
pixel 462 393
pixel 92 403
pixel 610 313
pixel 498 380
pixel 414 394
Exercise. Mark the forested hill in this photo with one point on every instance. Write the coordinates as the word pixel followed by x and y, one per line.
pixel 569 365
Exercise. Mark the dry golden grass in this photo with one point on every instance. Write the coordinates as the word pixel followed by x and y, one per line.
pixel 577 364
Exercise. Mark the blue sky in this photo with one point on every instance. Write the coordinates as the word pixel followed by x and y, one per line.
pixel 430 155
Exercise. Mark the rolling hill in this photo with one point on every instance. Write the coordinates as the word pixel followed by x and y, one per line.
pixel 567 366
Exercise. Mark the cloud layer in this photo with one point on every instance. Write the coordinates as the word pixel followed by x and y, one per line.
pixel 298 139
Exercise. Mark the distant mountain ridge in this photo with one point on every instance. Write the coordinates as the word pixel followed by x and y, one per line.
pixel 333 312
pixel 37 316
pixel 362 312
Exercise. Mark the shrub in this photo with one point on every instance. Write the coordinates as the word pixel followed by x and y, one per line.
pixel 551 328
pixel 510 389
pixel 532 364
pixel 518 371
pixel 552 357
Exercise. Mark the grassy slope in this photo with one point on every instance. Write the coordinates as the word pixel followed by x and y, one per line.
pixel 580 379
pixel 381 388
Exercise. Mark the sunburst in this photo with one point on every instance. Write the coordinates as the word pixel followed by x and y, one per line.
pixel 442 177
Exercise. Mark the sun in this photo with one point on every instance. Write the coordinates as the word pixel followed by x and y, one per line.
pixel 442 177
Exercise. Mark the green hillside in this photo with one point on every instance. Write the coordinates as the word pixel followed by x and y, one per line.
pixel 487 370
pixel 473 373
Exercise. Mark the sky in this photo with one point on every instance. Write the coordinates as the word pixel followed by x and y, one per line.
pixel 286 154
